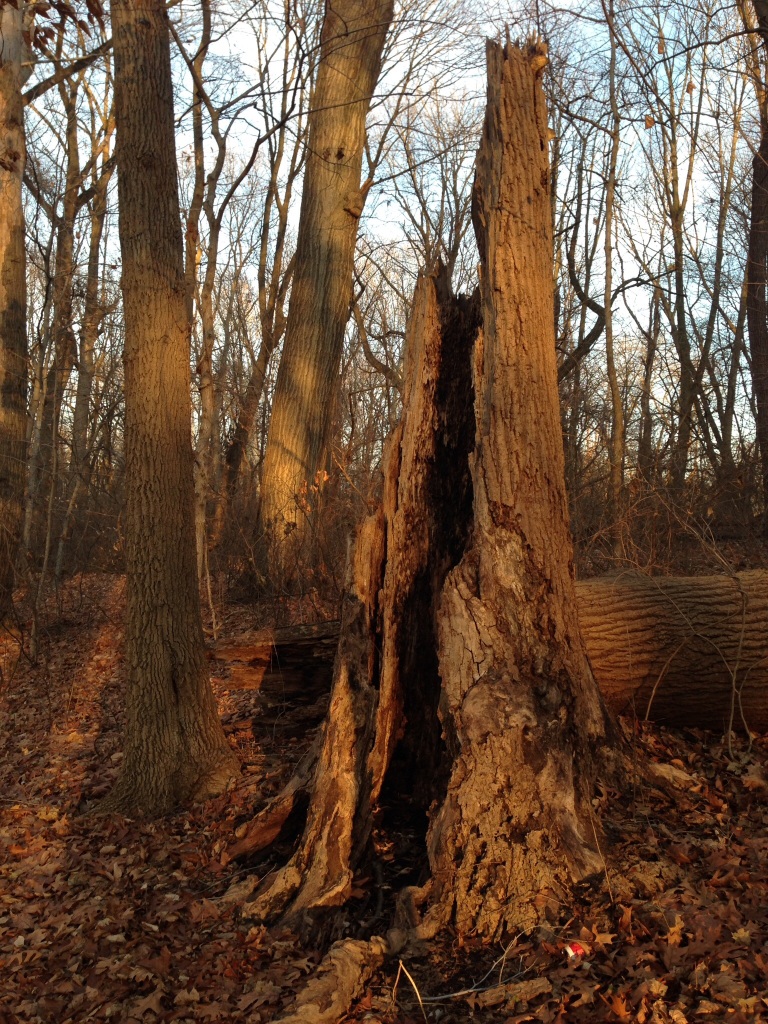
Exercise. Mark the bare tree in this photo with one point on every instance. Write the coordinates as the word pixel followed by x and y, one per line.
pixel 332 202
pixel 13 312
pixel 175 748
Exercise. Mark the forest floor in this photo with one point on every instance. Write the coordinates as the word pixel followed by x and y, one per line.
pixel 120 920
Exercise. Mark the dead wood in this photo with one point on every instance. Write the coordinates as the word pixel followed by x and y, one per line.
pixel 397 567
pixel 675 650
pixel 341 978
pixel 688 651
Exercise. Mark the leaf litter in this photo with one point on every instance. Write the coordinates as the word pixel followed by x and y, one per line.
pixel 120 920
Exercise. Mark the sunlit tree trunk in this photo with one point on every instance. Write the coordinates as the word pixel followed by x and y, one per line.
pixel 461 680
pixel 616 485
pixel 520 707
pixel 757 258
pixel 175 749
pixel 13 328
pixel 332 201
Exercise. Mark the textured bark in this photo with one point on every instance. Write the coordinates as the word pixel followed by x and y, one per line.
pixel 175 748
pixel 386 667
pixel 674 650
pixel 13 302
pixel 520 706
pixel 352 39
pixel 680 651
pixel 757 263
pixel 463 611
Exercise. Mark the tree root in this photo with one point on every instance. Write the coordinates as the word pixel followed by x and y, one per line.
pixel 341 978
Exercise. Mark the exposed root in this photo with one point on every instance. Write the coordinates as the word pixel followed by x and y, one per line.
pixel 341 978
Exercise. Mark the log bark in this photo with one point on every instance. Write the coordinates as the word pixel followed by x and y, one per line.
pixel 671 650
pixel 686 652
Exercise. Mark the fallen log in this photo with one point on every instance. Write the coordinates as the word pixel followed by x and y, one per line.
pixel 682 651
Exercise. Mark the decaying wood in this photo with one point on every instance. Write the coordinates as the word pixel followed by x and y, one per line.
pixel 267 825
pixel 340 980
pixel 671 649
pixel 461 606
pixel 289 667
pixel 520 707
pixel 396 566
pixel 468 563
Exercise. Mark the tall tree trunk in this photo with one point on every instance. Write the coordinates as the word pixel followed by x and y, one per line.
pixel 332 201
pixel 520 706
pixel 13 301
pixel 616 450
pixel 175 748
pixel 460 661
pixel 93 315
pixel 757 260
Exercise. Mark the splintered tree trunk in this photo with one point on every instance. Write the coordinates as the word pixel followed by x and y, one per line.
pixel 13 302
pixel 460 662
pixel 521 710
pixel 332 201
pixel 175 748
pixel 386 665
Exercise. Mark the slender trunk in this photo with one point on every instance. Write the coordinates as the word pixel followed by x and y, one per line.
pixel 645 439
pixel 757 264
pixel 175 748
pixel 207 446
pixel 13 301
pixel 37 375
pixel 616 457
pixel 332 202
pixel 93 315
pixel 233 459
pixel 44 479
pixel 193 253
